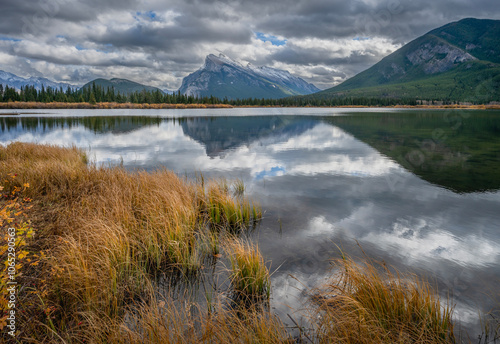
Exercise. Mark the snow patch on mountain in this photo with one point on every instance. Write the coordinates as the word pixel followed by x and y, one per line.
pixel 17 82
pixel 222 76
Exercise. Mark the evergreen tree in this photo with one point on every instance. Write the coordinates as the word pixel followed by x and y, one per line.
pixel 92 99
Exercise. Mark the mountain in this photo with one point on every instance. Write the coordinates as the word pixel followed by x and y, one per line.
pixel 465 160
pixel 17 82
pixel 122 86
pixel 459 61
pixel 223 134
pixel 223 77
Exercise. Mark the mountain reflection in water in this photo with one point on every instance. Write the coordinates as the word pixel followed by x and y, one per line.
pixel 417 189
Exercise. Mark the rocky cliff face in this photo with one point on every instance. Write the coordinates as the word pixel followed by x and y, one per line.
pixel 422 57
pixel 445 49
pixel 438 58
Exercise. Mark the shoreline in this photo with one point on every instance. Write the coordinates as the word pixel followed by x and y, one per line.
pixel 101 106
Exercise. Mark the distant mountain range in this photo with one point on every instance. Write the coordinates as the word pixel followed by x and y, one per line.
pixel 223 77
pixel 17 82
pixel 220 77
pixel 122 86
pixel 458 61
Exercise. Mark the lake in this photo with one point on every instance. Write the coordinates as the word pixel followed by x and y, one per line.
pixel 416 188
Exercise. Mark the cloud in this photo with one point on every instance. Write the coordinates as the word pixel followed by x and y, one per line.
pixel 423 241
pixel 322 41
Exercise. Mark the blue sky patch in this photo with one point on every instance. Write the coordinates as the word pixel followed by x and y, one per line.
pixel 270 38
pixel 361 38
pixel 4 38
pixel 272 173
pixel 151 15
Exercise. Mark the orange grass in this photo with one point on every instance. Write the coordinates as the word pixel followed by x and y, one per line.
pixel 368 303
pixel 106 105
pixel 101 233
pixel 106 229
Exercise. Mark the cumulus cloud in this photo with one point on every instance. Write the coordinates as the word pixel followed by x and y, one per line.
pixel 159 42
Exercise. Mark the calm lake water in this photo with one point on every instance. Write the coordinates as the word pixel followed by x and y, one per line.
pixel 416 188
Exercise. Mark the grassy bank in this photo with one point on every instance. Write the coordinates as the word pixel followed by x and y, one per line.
pixel 106 105
pixel 90 242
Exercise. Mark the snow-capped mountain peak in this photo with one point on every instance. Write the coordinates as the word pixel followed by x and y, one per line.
pixel 222 77
pixel 17 82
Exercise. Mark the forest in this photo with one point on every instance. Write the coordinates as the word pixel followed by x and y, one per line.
pixel 97 94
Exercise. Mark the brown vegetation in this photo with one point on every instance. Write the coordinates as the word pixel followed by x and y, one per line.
pixel 103 233
pixel 369 303
pixel 60 105
pixel 104 230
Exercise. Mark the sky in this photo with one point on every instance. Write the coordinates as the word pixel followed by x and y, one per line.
pixel 159 42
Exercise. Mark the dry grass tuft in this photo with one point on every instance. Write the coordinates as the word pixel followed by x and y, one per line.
pixel 367 303
pixel 181 321
pixel 249 275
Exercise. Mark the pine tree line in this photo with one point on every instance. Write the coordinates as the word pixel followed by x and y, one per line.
pixel 97 94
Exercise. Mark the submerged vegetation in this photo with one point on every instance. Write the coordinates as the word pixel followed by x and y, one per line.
pixel 103 234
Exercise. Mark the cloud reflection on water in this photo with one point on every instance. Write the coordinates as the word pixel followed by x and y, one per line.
pixel 326 187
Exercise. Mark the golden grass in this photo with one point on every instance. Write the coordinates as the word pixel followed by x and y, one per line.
pixel 249 275
pixel 106 105
pixel 367 303
pixel 103 233
pixel 166 321
pixel 106 229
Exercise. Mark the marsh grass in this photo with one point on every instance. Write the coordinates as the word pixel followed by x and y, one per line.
pixel 490 325
pixel 167 321
pixel 106 230
pixel 239 188
pixel 369 303
pixel 223 211
pixel 103 234
pixel 249 274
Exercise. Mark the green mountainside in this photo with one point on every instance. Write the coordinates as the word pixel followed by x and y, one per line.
pixel 458 62
pixel 122 86
pixel 458 150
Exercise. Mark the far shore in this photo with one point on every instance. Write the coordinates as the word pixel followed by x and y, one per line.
pixel 59 105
